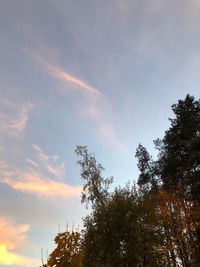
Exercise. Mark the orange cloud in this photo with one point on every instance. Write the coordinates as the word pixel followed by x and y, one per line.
pixel 13 237
pixel 34 183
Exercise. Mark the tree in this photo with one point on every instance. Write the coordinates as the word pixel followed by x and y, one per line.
pixel 68 252
pixel 179 157
pixel 124 233
pixel 95 188
pixel 120 230
pixel 156 223
pixel 176 172
pixel 174 218
pixel 146 167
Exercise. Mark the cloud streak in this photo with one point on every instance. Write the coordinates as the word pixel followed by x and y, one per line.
pixel 42 155
pixel 49 162
pixel 62 75
pixel 35 183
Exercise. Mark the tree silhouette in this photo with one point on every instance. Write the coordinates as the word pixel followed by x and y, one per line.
pixel 155 223
pixel 177 173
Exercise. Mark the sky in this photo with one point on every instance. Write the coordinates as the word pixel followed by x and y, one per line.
pixel 97 73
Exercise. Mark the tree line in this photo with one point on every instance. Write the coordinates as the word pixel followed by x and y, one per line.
pixel 155 222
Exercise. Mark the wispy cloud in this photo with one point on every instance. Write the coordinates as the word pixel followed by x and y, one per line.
pixel 56 171
pixel 49 162
pixel 13 237
pixel 60 74
pixel 5 170
pixel 35 183
pixel 32 163
pixel 96 104
pixel 42 155
pixel 13 117
pixel 20 122
pixel 105 128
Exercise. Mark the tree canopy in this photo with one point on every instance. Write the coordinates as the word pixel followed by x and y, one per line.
pixel 153 223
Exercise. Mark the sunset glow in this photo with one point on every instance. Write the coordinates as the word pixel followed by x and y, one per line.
pixel 101 74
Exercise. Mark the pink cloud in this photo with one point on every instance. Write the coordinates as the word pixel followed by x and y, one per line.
pixel 60 74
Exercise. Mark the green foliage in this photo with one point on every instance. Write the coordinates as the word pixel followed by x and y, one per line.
pixel 124 233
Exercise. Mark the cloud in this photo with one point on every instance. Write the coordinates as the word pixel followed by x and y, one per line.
pixel 35 183
pixel 105 129
pixel 95 104
pixel 43 156
pixel 13 117
pixel 5 171
pixel 32 163
pixel 49 162
pixel 56 171
pixel 13 237
pixel 9 258
pixel 20 122
pixel 60 74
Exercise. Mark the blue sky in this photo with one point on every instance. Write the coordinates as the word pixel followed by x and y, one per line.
pixel 97 73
